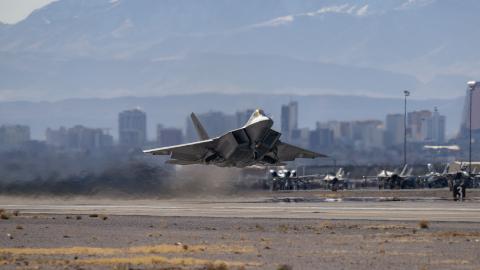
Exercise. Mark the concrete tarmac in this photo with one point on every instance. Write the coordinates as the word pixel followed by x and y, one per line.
pixel 260 208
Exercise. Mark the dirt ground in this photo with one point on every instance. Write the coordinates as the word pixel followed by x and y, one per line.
pixel 93 241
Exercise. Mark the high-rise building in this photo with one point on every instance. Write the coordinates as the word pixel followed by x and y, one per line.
pixel 56 137
pixel 14 134
pixel 289 119
pixel 215 123
pixel 79 138
pixel 422 127
pixel 364 135
pixel 169 136
pixel 368 134
pixel 285 129
pixel 465 125
pixel 394 129
pixel 321 138
pixel 418 125
pixel 300 137
pixel 436 127
pixel 132 128
pixel 342 131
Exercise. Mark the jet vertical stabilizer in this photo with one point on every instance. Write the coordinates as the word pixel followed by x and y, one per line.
pixel 402 173
pixel 445 171
pixel 339 173
pixel 202 133
pixel 409 173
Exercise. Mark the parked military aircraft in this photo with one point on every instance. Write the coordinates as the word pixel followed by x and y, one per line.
pixel 434 179
pixel 338 176
pixel 284 179
pixel 385 174
pixel 388 179
pixel 256 143
pixel 335 181
pixel 458 172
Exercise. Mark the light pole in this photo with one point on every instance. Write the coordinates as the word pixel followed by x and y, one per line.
pixel 406 93
pixel 334 165
pixel 471 86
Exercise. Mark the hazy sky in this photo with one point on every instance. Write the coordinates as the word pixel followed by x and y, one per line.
pixel 12 11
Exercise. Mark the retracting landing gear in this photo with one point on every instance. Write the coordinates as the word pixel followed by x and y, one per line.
pixel 287 184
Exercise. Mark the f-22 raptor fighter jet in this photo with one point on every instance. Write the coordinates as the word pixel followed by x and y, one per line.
pixel 256 143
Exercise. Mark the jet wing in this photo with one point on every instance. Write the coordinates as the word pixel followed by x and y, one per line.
pixel 186 153
pixel 288 152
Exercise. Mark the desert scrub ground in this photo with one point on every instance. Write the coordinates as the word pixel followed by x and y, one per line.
pixel 141 242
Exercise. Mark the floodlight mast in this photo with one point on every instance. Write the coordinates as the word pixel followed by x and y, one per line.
pixel 406 93
pixel 471 87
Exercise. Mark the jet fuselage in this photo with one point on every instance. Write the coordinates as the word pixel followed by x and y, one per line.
pixel 247 145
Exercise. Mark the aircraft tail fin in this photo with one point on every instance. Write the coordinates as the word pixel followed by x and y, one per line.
pixel 339 173
pixel 202 133
pixel 445 171
pixel 410 171
pixel 404 170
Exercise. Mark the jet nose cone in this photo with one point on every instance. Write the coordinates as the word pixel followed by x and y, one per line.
pixel 259 112
pixel 259 116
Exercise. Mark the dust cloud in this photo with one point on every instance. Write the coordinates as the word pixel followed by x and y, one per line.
pixel 112 174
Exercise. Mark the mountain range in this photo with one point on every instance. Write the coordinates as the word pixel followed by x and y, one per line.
pixel 113 48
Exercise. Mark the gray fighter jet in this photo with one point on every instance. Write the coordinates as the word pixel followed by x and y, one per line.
pixel 256 143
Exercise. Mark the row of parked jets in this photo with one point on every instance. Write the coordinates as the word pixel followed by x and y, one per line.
pixel 396 179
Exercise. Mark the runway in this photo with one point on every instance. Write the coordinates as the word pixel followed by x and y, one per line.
pixel 334 210
pixel 255 231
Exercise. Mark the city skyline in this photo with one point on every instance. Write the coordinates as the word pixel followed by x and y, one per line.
pixel 235 120
pixel 420 126
pixel 360 141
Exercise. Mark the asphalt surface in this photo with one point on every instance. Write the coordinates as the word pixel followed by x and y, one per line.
pixel 273 206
